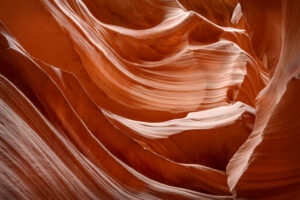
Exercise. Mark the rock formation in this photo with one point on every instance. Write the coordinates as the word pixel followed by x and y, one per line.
pixel 149 99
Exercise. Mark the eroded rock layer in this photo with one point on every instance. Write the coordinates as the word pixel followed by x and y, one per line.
pixel 149 99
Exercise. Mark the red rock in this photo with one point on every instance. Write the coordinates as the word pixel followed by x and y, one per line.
pixel 149 99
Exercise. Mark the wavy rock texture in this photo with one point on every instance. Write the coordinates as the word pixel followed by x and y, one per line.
pixel 149 99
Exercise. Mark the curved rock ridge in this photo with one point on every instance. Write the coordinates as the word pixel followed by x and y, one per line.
pixel 149 99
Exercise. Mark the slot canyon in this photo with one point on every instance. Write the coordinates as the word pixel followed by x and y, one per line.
pixel 149 99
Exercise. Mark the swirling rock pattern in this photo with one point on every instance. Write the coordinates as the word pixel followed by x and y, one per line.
pixel 149 99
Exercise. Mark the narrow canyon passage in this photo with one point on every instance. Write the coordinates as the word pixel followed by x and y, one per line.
pixel 149 99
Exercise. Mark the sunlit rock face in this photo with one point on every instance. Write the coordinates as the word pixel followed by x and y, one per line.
pixel 149 99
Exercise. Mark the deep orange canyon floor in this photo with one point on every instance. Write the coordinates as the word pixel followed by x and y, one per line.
pixel 149 99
